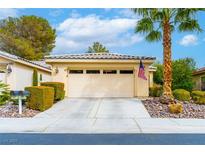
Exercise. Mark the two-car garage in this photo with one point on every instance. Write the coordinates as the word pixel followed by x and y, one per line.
pixel 101 83
pixel 101 74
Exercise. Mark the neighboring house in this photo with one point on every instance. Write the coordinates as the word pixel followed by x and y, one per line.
pixel 199 79
pixel 101 74
pixel 17 72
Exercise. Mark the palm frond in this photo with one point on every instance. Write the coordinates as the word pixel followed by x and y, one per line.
pixel 154 36
pixel 189 25
pixel 144 25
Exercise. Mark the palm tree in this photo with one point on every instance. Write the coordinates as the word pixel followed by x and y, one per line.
pixel 159 24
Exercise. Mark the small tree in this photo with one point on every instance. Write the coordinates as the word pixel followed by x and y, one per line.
pixel 182 73
pixel 35 77
pixel 158 75
pixel 4 93
pixel 97 48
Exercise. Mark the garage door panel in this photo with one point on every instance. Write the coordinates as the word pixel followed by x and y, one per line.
pixel 100 85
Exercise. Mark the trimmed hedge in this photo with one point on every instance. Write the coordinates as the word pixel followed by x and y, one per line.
pixel 41 97
pixel 182 95
pixel 58 88
pixel 198 97
pixel 35 77
pixel 155 91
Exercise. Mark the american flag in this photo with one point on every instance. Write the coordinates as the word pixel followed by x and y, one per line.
pixel 141 72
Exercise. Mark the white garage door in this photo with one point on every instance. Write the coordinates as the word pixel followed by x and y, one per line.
pixel 94 83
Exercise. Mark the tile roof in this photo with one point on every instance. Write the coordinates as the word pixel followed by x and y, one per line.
pixel 99 56
pixel 199 71
pixel 14 57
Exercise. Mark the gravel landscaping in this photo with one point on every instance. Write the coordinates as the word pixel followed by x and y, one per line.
pixel 159 110
pixel 11 111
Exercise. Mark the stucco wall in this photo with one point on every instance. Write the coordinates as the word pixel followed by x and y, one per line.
pixel 197 81
pixel 21 75
pixel 141 87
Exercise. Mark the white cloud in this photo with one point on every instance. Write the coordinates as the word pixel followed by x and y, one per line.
pixel 128 13
pixel 189 40
pixel 4 13
pixel 79 33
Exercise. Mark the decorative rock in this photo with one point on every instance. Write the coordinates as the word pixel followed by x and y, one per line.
pixel 166 100
pixel 11 111
pixel 159 110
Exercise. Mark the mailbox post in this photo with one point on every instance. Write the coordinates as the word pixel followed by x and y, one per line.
pixel 19 95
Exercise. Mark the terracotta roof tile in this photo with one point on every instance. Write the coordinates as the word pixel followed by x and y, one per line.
pixel 199 71
pixel 14 57
pixel 99 56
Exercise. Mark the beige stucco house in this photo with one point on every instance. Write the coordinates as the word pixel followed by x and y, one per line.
pixel 101 74
pixel 18 72
pixel 199 79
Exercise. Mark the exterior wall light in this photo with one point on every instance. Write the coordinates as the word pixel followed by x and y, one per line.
pixel 56 70
pixel 9 69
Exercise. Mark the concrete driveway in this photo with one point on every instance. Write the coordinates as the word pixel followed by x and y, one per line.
pixel 97 108
pixel 93 115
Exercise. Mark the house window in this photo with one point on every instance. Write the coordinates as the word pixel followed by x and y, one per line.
pixel 76 71
pixel 126 71
pixel 109 71
pixel 203 83
pixel 93 71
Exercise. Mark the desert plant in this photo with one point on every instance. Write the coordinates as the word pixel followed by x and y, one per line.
pixel 41 97
pixel 155 91
pixel 4 93
pixel 35 77
pixel 175 108
pixel 198 97
pixel 182 95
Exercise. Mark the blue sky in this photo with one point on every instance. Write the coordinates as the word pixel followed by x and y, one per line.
pixel 78 28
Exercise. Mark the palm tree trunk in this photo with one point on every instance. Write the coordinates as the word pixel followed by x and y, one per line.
pixel 167 73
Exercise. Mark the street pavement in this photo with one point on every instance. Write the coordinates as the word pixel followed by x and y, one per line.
pixel 102 139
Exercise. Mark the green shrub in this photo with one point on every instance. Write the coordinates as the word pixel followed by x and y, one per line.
pixel 198 97
pixel 198 93
pixel 41 97
pixel 4 93
pixel 182 95
pixel 35 77
pixel 58 88
pixel 175 108
pixel 155 91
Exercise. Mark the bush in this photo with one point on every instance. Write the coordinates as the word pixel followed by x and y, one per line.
pixel 58 88
pixel 35 77
pixel 41 97
pixel 175 108
pixel 4 93
pixel 155 91
pixel 198 97
pixel 181 95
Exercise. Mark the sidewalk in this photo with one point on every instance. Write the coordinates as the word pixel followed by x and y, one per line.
pixel 92 126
